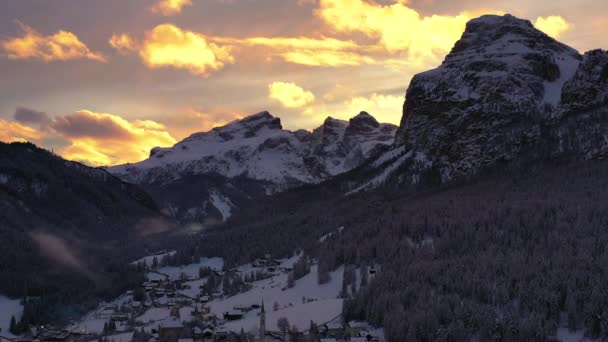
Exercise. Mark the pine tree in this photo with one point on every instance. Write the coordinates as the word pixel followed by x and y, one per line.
pixel 13 326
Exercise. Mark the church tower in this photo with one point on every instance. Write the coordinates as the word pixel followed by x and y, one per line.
pixel 263 323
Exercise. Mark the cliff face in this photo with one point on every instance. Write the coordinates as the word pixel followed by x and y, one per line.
pixel 506 93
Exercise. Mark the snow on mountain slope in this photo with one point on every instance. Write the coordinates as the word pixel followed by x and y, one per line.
pixel 506 94
pixel 208 176
pixel 257 147
pixel 9 308
pixel 223 204
pixel 324 303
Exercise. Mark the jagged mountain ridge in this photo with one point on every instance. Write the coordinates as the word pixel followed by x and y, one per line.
pixel 506 94
pixel 209 174
pixel 257 147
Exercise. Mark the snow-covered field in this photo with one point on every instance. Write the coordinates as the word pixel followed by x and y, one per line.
pixel 9 308
pixel 191 271
pixel 306 301
pixel 148 260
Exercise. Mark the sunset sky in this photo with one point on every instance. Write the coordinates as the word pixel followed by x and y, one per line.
pixel 103 81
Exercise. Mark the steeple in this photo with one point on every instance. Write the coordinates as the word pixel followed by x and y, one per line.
pixel 262 323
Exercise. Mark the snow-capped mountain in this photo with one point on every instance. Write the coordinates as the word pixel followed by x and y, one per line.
pixel 507 93
pixel 210 171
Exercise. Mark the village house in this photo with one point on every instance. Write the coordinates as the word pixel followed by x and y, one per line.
pixel 170 330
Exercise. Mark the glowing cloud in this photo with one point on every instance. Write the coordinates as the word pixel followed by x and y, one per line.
pixel 170 7
pixel 397 27
pixel 61 46
pixel 307 51
pixel 290 95
pixel 169 46
pixel 11 131
pixel 107 139
pixel 553 25
pixel 385 108
pixel 326 58
pixel 124 43
pixel 187 121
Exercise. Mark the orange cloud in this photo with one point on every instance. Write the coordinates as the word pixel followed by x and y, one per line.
pixel 307 51
pixel 397 27
pixel 11 131
pixel 170 7
pixel 169 46
pixel 108 139
pixel 385 108
pixel 124 43
pixel 553 25
pixel 327 58
pixel 61 46
pixel 188 121
pixel 290 95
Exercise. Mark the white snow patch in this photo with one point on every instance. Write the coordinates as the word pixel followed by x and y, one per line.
pixel 223 204
pixel 9 308
pixel 568 65
pixel 306 301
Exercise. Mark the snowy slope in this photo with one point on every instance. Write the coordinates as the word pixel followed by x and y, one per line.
pixel 8 309
pixel 324 303
pixel 223 204
pixel 506 94
pixel 257 147
pixel 208 176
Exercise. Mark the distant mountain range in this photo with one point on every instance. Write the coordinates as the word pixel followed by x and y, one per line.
pixel 506 97
pixel 209 174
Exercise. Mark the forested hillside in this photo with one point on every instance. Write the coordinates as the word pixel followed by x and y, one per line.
pixel 506 258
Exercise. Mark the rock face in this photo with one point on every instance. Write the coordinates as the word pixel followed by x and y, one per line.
pixel 588 89
pixel 506 93
pixel 249 158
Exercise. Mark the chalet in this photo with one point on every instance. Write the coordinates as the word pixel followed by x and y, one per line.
pixel 170 330
pixel 359 339
pixel 356 328
pixel 207 333
pixel 120 317
pixel 332 329
pixel 54 335
pixel 233 315
pixel 221 335
pixel 243 308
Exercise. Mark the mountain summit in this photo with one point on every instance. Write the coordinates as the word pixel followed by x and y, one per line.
pixel 506 94
pixel 210 171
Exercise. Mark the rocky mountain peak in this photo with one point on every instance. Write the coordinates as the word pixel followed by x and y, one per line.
pixel 258 148
pixel 479 105
pixel 506 94
pixel 364 121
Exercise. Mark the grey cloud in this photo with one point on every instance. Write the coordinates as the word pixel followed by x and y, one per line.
pixel 30 116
